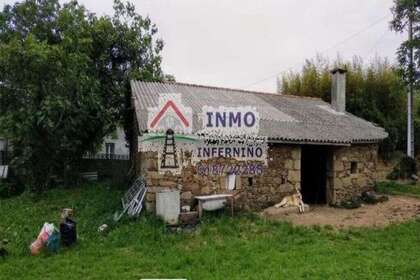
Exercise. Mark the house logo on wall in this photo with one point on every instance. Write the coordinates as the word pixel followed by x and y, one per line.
pixel 170 114
pixel 168 121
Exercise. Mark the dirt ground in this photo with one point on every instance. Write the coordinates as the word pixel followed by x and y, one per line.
pixel 398 209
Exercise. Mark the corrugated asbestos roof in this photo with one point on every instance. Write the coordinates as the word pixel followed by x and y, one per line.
pixel 284 118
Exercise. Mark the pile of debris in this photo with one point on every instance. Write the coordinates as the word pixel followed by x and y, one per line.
pixel 51 238
pixel 368 197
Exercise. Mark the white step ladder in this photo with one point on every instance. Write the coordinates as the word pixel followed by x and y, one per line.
pixel 132 202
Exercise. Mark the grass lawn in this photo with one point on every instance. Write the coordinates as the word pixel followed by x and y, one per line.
pixel 399 189
pixel 245 247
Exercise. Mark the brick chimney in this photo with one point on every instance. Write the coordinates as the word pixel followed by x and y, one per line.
pixel 338 89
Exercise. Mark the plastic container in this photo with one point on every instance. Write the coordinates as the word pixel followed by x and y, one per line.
pixel 53 242
pixel 68 232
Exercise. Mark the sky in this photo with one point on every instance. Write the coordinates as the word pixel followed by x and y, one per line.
pixel 246 44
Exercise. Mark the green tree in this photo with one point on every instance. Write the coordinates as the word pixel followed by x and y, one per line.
pixel 403 11
pixel 64 80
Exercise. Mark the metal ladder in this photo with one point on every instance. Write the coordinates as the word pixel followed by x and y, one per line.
pixel 132 201
pixel 169 151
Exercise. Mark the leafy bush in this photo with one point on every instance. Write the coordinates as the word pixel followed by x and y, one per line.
pixel 9 189
pixel 12 186
pixel 404 169
pixel 4 189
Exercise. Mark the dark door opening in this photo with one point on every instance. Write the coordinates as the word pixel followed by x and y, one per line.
pixel 314 174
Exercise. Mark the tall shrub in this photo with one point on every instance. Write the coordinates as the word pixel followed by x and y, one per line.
pixel 64 79
pixel 374 91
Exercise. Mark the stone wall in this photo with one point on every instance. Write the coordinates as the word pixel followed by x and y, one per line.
pixel 354 171
pixel 385 167
pixel 279 178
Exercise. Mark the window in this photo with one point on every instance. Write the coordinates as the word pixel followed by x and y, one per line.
pixel 110 149
pixel 283 180
pixel 353 167
pixel 230 182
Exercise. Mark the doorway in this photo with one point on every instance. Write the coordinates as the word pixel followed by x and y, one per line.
pixel 314 161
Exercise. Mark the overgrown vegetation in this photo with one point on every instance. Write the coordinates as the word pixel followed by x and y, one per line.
pixel 64 80
pixel 245 247
pixel 405 169
pixel 374 92
pixel 11 186
pixel 392 187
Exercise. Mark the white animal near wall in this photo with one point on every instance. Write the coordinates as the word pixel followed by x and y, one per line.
pixel 292 200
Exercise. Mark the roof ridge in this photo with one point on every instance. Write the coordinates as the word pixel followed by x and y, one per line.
pixel 238 90
pixel 315 124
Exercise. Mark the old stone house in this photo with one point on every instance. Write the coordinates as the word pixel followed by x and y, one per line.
pixel 317 147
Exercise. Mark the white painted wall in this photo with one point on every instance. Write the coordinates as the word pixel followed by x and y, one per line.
pixel 118 138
